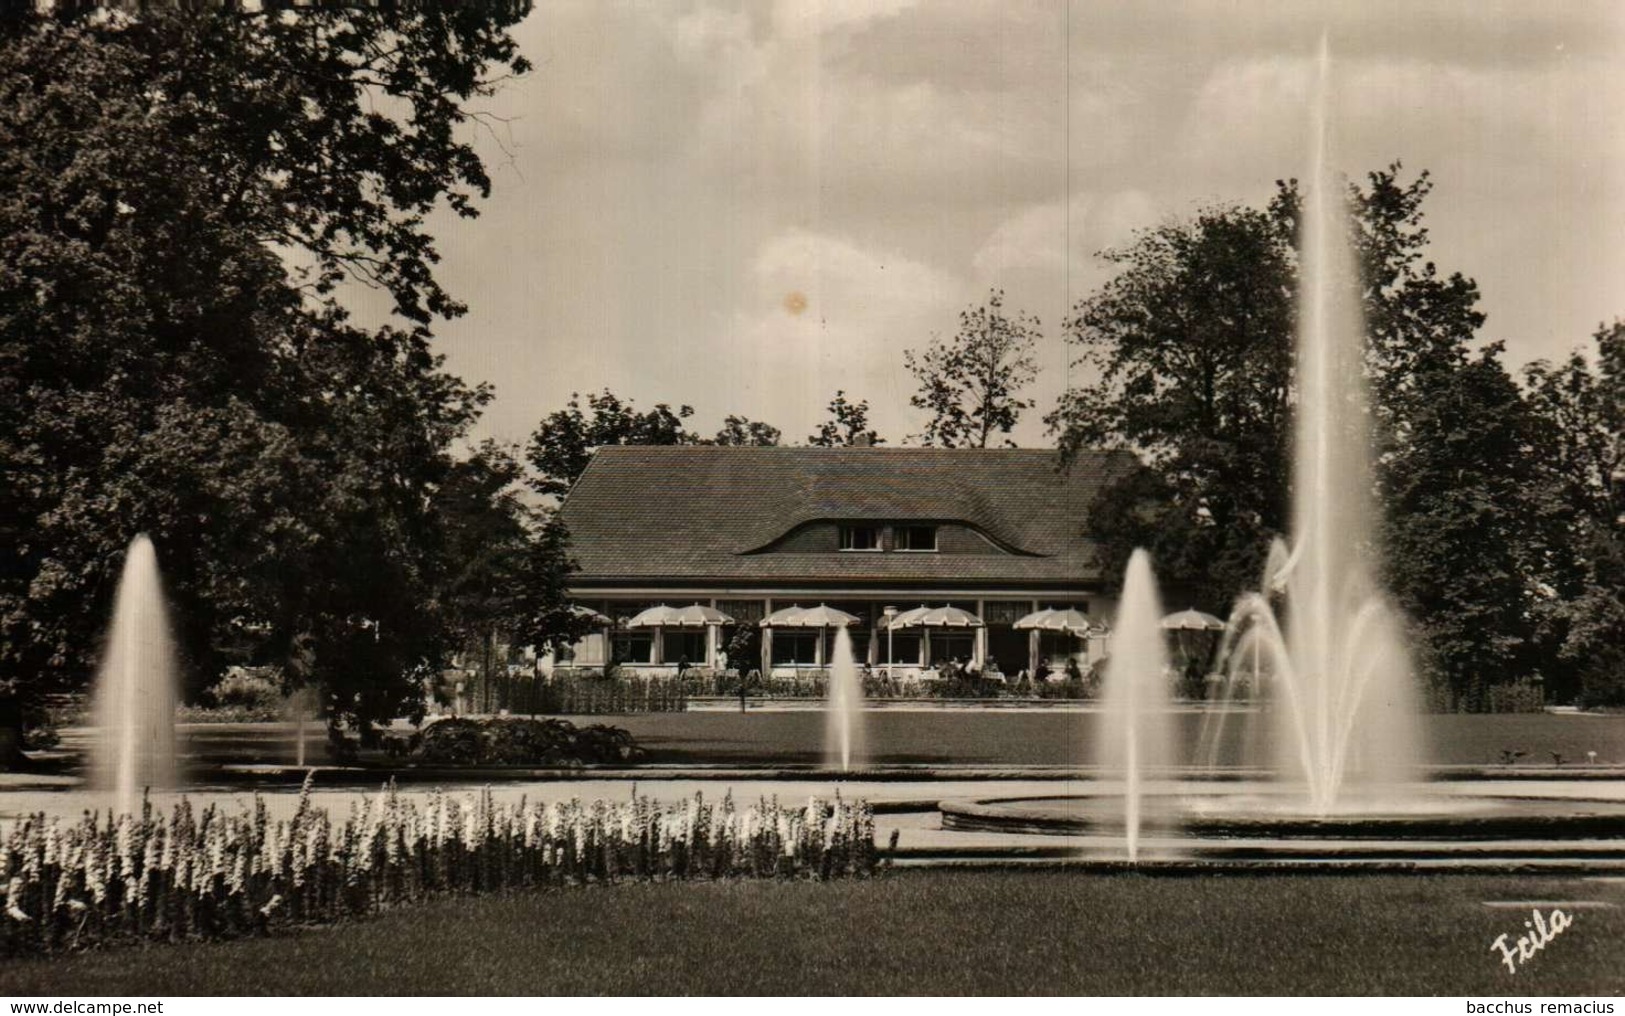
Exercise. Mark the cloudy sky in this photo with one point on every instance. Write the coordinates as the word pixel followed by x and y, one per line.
pixel 747 206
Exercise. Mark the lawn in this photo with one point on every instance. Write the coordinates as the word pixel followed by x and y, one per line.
pixel 1022 738
pixel 957 932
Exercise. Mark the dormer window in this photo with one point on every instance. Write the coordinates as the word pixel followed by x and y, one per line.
pixel 859 538
pixel 916 538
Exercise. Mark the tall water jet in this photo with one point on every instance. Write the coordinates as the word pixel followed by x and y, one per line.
pixel 135 688
pixel 1135 736
pixel 1335 668
pixel 843 716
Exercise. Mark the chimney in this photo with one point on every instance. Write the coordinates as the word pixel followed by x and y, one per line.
pixel 861 440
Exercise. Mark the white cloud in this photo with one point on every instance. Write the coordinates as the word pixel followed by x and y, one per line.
pixel 802 18
pixel 1059 235
pixel 822 314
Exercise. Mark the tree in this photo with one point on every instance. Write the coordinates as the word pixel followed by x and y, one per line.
pixel 1579 451
pixel 1191 345
pixel 737 431
pixel 1458 513
pixel 564 442
pixel 848 425
pixel 971 384
pixel 167 372
pixel 1189 354
pixel 506 563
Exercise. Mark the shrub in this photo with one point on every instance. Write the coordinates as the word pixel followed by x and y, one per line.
pixel 517 741
pixel 68 885
pixel 251 693
pixel 1521 696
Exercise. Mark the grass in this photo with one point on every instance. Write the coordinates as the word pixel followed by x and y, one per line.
pixel 970 736
pixel 1018 738
pixel 930 932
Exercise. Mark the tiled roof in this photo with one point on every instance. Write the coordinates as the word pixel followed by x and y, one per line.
pixel 705 514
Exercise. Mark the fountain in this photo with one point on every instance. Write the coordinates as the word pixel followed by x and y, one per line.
pixel 135 688
pixel 1135 739
pixel 1339 739
pixel 843 722
pixel 1337 671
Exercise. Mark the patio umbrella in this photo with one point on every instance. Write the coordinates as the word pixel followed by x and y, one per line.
pixel 936 617
pixel 663 616
pixel 1072 621
pixel 587 612
pixel 809 617
pixel 1192 620
pixel 784 617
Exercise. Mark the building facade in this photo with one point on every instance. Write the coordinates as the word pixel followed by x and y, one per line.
pixel 995 532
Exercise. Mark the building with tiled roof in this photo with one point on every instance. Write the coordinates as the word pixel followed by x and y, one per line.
pixel 996 532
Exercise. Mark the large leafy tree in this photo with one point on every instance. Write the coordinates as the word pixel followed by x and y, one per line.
pixel 507 561
pixel 971 384
pixel 1188 352
pixel 1452 434
pixel 564 442
pixel 737 431
pixel 847 425
pixel 1579 451
pixel 167 371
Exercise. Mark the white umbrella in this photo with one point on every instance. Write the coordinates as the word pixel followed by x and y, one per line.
pixel 1071 621
pixel 1192 620
pixel 936 617
pixel 809 617
pixel 784 617
pixel 663 616
pixel 587 612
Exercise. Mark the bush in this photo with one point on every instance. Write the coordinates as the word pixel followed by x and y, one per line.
pixel 582 691
pixel 508 740
pixel 252 693
pixel 1521 696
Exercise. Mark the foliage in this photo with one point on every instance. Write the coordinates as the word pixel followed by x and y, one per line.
pixel 509 740
pixel 1458 513
pixel 1190 352
pixel 588 692
pixel 848 425
pixel 563 443
pixel 507 563
pixel 168 372
pixel 737 431
pixel 1579 412
pixel 1191 344
pixel 257 692
pixel 154 877
pixel 970 385
pixel 1520 696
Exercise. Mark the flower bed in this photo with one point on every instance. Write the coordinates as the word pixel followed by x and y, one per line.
pixel 215 875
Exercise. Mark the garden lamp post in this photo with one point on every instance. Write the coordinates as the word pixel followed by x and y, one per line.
pixel 890 614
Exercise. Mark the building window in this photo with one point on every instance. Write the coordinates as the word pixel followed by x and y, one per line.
pixel 917 538
pixel 1006 611
pixel 795 648
pixel 952 646
pixel 743 611
pixel 860 538
pixel 679 644
pixel 904 647
pixel 860 645
pixel 634 647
